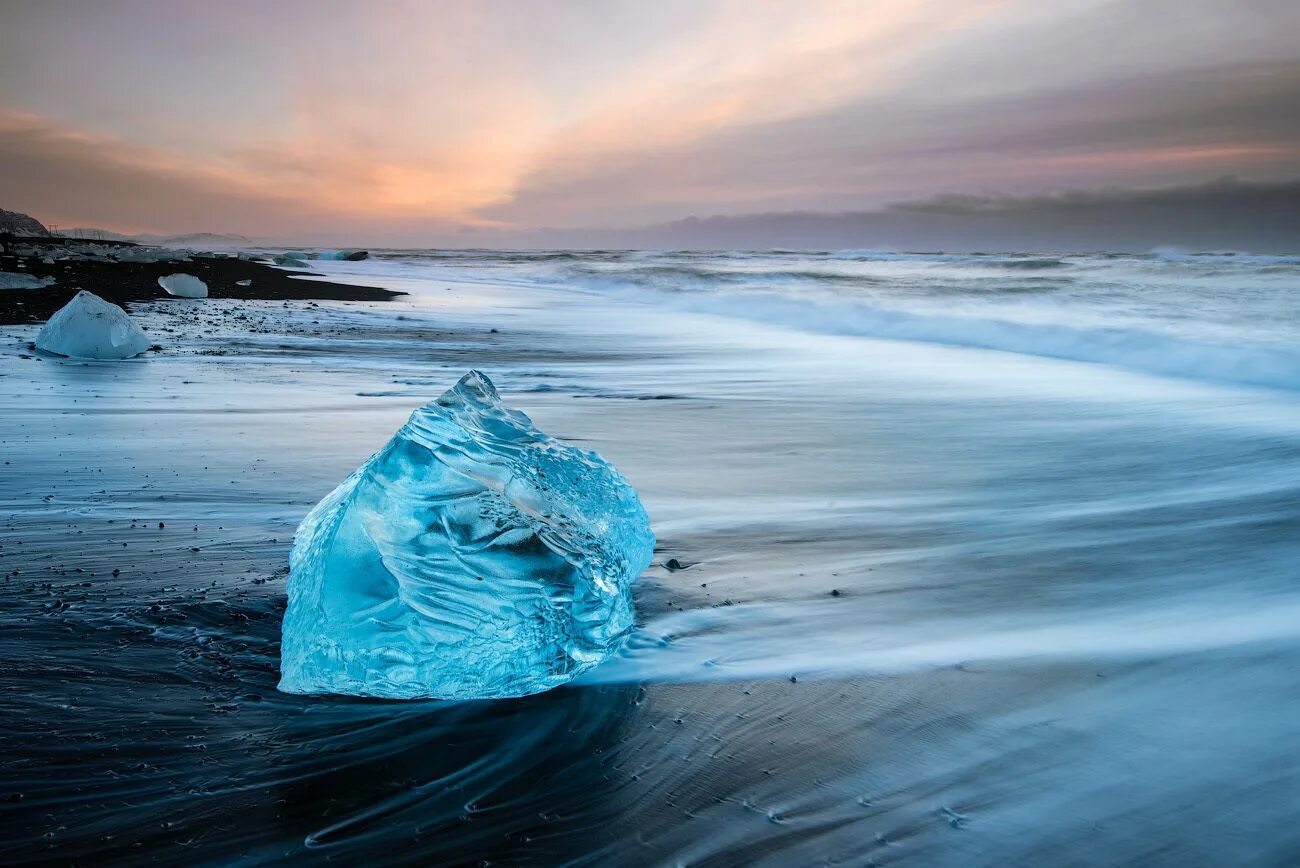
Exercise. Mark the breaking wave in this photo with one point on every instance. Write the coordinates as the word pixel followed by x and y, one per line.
pixel 678 278
pixel 1259 364
pixel 1225 317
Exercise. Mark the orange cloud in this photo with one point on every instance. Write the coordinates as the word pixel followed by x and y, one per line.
pixel 70 177
pixel 464 115
pixel 753 65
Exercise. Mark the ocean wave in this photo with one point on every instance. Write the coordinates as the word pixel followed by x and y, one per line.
pixel 1032 264
pixel 1222 318
pixel 1219 257
pixel 687 277
pixel 503 257
pixel 1146 351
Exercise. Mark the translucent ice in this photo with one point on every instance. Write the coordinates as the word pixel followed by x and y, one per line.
pixel 90 328
pixel 471 557
pixel 184 286
pixel 14 280
pixel 148 254
pixel 344 255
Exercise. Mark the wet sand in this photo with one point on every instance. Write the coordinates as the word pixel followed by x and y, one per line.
pixel 875 656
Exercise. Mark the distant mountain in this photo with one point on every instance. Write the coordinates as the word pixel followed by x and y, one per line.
pixel 196 239
pixel 95 235
pixel 16 223
pixel 1224 214
pixel 193 239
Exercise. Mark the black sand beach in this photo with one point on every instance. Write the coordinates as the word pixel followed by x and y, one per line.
pixel 942 606
pixel 126 282
pixel 691 434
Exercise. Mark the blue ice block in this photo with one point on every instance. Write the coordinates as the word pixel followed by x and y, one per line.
pixel 473 556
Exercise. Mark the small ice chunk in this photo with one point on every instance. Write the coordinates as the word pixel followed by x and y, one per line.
pixel 248 281
pixel 471 557
pixel 13 280
pixel 148 254
pixel 292 259
pixel 344 255
pixel 184 286
pixel 90 328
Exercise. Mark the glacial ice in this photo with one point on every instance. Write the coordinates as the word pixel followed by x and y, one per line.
pixel 472 557
pixel 90 328
pixel 184 286
pixel 149 254
pixel 344 255
pixel 292 259
pixel 14 280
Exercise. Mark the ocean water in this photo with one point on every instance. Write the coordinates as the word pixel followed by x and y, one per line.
pixel 975 560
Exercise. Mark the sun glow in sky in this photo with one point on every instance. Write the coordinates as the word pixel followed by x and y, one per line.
pixel 410 119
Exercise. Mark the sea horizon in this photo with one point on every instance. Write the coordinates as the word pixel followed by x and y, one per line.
pixel 703 433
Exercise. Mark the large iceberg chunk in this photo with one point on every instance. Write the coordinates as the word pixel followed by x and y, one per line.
pixel 183 285
pixel 90 328
pixel 471 557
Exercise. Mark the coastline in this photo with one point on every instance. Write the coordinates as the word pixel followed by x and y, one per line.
pixel 908 568
pixel 124 283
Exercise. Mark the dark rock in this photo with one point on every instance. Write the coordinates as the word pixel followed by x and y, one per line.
pixel 16 223
pixel 123 282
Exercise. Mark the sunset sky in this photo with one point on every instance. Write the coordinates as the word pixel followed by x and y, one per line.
pixel 416 121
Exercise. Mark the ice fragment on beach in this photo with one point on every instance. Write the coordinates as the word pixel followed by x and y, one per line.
pixel 13 280
pixel 184 286
pixel 90 328
pixel 248 281
pixel 149 254
pixel 292 259
pixel 344 255
pixel 472 557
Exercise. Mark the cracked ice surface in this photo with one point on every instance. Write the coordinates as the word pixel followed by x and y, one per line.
pixel 472 557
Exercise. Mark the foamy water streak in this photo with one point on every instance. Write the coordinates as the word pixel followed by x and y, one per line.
pixel 831 639
pixel 1219 318
pixel 1131 348
pixel 1030 520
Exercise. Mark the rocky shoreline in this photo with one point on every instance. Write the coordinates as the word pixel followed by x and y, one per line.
pixel 123 272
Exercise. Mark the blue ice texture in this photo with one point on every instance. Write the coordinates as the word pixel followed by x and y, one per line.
pixel 472 557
